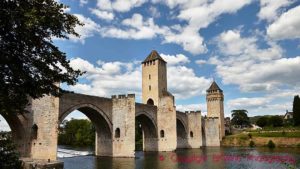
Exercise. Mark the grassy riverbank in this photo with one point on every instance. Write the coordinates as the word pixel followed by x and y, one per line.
pixel 261 138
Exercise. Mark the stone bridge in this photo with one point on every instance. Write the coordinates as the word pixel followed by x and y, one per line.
pixel 36 132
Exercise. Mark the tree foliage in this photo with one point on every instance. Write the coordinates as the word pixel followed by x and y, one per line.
pixel 240 118
pixel 262 121
pixel 31 65
pixel 9 158
pixel 77 132
pixel 275 121
pixel 296 110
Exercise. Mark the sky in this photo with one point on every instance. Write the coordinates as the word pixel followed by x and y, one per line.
pixel 251 48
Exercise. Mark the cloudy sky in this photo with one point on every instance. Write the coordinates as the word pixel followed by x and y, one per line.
pixel 250 47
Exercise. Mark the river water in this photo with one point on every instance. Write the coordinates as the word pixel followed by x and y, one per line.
pixel 215 158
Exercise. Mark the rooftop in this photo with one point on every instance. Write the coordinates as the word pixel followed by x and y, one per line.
pixel 153 56
pixel 214 86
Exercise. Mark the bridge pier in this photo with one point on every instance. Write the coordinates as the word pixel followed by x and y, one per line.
pixel 123 120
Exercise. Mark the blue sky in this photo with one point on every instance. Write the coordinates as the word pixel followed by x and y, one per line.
pixel 250 47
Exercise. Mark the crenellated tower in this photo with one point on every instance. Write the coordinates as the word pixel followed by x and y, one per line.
pixel 215 106
pixel 154 83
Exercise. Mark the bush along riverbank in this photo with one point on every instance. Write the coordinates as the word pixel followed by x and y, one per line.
pixel 263 139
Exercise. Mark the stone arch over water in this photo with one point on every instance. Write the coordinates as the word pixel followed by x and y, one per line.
pixel 149 130
pixel 102 124
pixel 181 130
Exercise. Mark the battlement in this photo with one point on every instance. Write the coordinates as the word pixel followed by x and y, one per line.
pixel 123 96
pixel 189 112
pixel 210 118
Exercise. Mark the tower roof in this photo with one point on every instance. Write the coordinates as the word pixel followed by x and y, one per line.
pixel 214 86
pixel 153 56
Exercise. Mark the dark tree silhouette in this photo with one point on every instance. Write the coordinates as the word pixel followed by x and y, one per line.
pixel 296 110
pixel 240 118
pixel 262 121
pixel 30 64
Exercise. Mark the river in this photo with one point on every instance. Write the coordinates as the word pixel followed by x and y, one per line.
pixel 219 158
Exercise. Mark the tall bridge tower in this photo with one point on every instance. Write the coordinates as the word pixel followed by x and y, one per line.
pixel 215 106
pixel 155 92
pixel 154 79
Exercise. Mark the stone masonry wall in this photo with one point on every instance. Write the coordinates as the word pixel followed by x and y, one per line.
pixel 166 121
pixel 211 131
pixel 123 119
pixel 45 116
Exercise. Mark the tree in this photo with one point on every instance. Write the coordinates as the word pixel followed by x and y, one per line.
pixel 275 121
pixel 30 64
pixel 296 110
pixel 262 121
pixel 240 117
pixel 77 132
pixel 9 158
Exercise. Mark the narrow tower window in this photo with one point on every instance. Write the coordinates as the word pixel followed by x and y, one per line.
pixel 162 133
pixel 117 133
pixel 34 131
pixel 150 102
pixel 191 134
pixel 149 87
pixel 149 76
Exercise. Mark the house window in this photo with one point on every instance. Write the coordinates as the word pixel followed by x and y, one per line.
pixel 117 133
pixel 162 133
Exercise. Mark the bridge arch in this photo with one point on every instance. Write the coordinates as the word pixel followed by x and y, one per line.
pixel 182 134
pixel 149 131
pixel 18 132
pixel 101 122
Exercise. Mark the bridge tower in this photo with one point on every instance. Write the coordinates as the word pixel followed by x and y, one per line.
pixel 215 106
pixel 154 78
pixel 155 92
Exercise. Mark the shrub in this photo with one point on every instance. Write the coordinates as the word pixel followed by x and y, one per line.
pixel 249 135
pixel 271 144
pixel 251 144
pixel 283 133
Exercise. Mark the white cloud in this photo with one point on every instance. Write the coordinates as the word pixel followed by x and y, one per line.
pixel 83 2
pixel 175 59
pixel 89 29
pixel 154 12
pixel 106 15
pixel 196 14
pixel 287 26
pixel 108 78
pixel 201 62
pixel 119 5
pixel 136 28
pixel 262 69
pixel 248 103
pixel 183 82
pixel 271 9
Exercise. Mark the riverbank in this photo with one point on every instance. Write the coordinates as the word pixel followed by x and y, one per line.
pixel 287 139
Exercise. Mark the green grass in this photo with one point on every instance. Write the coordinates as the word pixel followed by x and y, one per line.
pixel 277 134
pixel 269 128
pixel 243 136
